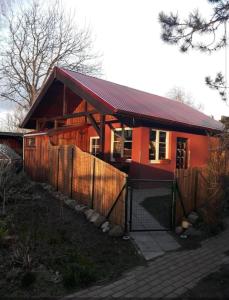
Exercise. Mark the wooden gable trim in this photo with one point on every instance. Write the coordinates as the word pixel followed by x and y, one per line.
pixel 94 124
pixel 76 88
pixel 43 91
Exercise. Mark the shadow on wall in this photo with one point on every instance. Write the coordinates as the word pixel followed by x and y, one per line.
pixel 141 171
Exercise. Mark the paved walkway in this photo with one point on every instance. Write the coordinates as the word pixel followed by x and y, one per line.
pixel 167 276
pixel 151 243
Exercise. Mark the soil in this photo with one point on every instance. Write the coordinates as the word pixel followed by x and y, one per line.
pixel 49 252
pixel 214 286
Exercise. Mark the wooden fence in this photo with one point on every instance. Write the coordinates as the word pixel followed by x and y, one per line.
pixel 194 190
pixel 81 176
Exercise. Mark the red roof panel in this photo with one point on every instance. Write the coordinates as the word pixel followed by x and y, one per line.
pixel 129 100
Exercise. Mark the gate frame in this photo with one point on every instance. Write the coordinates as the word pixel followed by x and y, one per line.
pixel 129 207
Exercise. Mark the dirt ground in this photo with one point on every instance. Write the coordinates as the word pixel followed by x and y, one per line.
pixel 43 254
pixel 214 286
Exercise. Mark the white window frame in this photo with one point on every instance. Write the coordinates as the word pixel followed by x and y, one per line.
pixel 157 160
pixel 93 138
pixel 112 143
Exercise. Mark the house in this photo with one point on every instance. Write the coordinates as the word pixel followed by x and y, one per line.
pixel 12 139
pixel 145 135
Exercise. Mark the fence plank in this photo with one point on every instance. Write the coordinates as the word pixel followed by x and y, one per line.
pixel 78 174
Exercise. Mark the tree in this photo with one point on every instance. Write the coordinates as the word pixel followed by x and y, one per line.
pixel 39 38
pixel 4 6
pixel 178 94
pixel 14 119
pixel 196 32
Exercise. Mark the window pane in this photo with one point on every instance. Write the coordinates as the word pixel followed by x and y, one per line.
pixel 162 136
pixel 128 135
pixel 122 145
pixel 95 146
pixel 153 135
pixel 127 150
pixel 162 151
pixel 152 150
pixel 117 150
pixel 117 135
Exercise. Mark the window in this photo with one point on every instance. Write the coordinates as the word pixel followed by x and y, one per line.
pixel 158 145
pixel 122 143
pixel 30 142
pixel 95 145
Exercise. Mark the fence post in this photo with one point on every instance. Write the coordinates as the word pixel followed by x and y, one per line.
pixel 93 183
pixel 174 203
pixel 196 189
pixel 57 172
pixel 72 164
pixel 126 207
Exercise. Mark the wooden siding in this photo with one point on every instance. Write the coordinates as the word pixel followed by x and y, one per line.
pixel 79 175
pixel 194 190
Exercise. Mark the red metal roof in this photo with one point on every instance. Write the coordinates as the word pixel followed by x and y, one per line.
pixel 124 99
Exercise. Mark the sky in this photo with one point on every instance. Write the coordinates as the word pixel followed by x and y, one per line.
pixel 127 34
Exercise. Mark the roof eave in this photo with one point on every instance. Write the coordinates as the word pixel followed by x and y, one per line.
pixel 169 122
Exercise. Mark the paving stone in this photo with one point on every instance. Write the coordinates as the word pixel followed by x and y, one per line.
pixel 168 276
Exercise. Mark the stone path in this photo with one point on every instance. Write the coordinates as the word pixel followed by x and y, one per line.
pixel 168 276
pixel 151 243
pixel 141 218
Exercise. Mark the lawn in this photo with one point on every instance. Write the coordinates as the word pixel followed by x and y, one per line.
pixel 45 253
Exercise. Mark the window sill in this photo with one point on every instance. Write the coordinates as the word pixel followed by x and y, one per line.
pixel 120 160
pixel 161 162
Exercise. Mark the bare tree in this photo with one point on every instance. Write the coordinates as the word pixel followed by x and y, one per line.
pixel 4 6
pixel 39 38
pixel 178 94
pixel 14 119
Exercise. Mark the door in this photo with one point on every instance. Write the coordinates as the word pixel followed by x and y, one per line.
pixel 181 153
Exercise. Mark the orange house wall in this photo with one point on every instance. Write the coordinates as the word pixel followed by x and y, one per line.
pixel 141 167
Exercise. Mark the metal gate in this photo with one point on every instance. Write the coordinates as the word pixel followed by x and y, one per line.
pixel 150 205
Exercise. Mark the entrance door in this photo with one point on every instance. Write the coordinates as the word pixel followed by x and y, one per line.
pixel 181 153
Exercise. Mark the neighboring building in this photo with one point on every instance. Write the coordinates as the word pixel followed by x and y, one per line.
pixel 9 156
pixel 147 136
pixel 14 140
